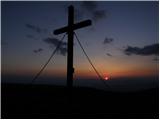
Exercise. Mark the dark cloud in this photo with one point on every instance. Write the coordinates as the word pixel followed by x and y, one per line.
pixel 63 51
pixel 38 50
pixel 145 51
pixel 108 54
pixel 99 14
pixel 54 42
pixel 107 40
pixel 36 28
pixel 92 8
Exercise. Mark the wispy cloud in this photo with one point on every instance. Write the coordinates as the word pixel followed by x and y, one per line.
pixel 38 50
pixel 108 54
pixel 36 28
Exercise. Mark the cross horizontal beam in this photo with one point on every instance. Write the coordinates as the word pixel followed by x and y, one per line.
pixel 75 26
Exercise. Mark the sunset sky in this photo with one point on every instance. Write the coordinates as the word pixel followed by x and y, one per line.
pixel 122 41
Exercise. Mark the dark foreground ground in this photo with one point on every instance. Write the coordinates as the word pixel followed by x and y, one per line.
pixel 24 101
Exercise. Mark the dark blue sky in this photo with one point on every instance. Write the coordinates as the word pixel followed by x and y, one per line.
pixel 124 24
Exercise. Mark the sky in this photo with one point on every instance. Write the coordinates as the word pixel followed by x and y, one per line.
pixel 123 40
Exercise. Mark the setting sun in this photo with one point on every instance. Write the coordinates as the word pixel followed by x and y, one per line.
pixel 106 78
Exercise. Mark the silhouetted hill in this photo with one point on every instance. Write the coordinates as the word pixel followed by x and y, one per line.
pixel 48 101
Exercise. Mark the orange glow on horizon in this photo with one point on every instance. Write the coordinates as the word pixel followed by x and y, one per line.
pixel 85 73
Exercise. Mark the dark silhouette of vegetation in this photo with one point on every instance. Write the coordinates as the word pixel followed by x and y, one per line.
pixel 44 101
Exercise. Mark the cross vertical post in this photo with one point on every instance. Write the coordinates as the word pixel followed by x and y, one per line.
pixel 70 31
pixel 70 69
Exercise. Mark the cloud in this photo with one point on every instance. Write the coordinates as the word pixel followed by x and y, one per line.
pixel 145 51
pixel 99 14
pixel 108 54
pixel 63 51
pixel 54 42
pixel 108 40
pixel 36 28
pixel 88 8
pixel 38 50
pixel 92 8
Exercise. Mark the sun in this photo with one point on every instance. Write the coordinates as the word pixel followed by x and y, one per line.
pixel 106 78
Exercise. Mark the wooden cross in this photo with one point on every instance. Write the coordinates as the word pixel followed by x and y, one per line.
pixel 70 31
